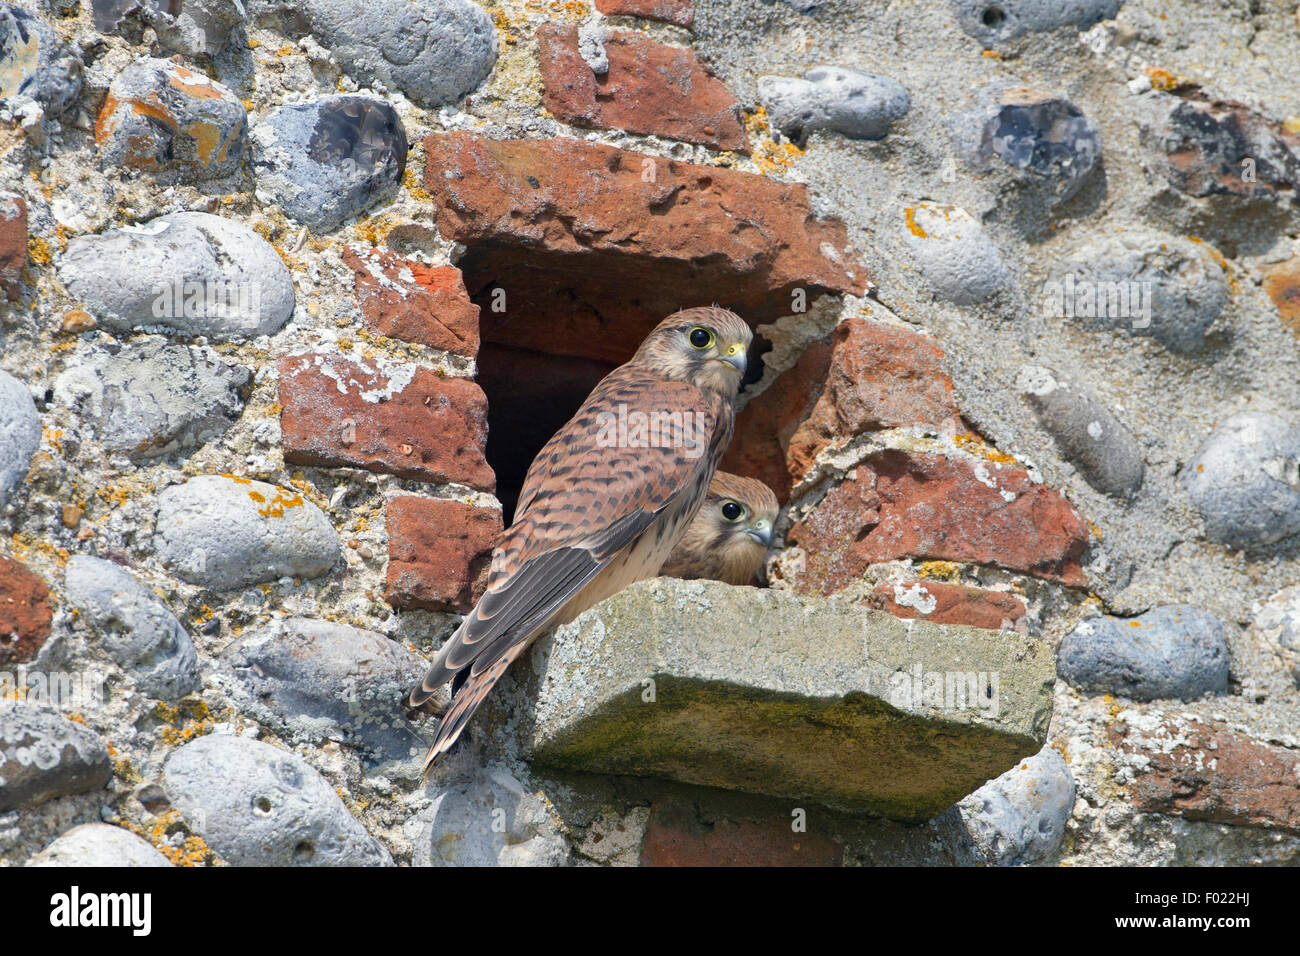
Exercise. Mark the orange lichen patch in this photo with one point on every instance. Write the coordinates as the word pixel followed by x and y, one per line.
pixel 991 55
pixel 910 215
pixel 105 114
pixel 201 87
pixel 38 251
pixel 1164 81
pixel 76 321
pixel 571 10
pixel 1096 532
pixel 277 505
pixel 53 437
pixel 23 546
pixel 192 850
pixel 242 481
pixel 977 446
pixel 412 181
pixel 939 570
pixel 257 496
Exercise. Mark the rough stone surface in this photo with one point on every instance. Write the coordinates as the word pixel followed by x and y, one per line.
pixel 1203 772
pixel 996 21
pixel 942 603
pixel 602 223
pixel 46 755
pixel 940 508
pixel 407 300
pixel 155 398
pixel 1020 817
pixel 438 552
pixel 434 51
pixel 402 420
pixel 189 272
pixel 1174 651
pixel 25 612
pixel 1143 283
pixel 20 433
pixel 1208 147
pixel 98 844
pixel 1042 140
pixel 224 532
pixel 257 805
pixel 191 27
pixel 1161 92
pixel 1277 627
pixel 953 252
pixel 1091 438
pixel 491 821
pixel 160 117
pixel 814 700
pixel 1245 480
pixel 327 161
pixel 646 87
pixel 318 680
pixel 133 626
pixel 199 26
pixel 13 243
pixel 35 64
pixel 834 98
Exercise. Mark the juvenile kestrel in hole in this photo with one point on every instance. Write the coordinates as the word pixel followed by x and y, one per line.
pixel 604 503
pixel 729 538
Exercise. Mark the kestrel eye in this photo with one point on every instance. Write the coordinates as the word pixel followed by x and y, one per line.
pixel 701 338
pixel 732 511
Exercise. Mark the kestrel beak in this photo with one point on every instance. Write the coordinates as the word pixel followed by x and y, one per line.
pixel 762 533
pixel 735 357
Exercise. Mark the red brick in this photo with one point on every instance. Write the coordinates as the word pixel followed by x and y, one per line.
pixel 25 612
pixel 428 428
pixel 13 242
pixel 438 552
pixel 408 300
pixel 867 375
pixel 902 505
pixel 1201 772
pixel 679 12
pixel 649 88
pixel 953 604
pixel 1282 283
pixel 676 837
pixel 592 250
pixel 880 376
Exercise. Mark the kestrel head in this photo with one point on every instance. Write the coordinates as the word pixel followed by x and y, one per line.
pixel 730 535
pixel 706 347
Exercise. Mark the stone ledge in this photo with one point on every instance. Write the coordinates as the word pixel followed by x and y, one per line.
pixel 760 691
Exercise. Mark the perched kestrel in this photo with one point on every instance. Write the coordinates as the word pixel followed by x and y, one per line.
pixel 604 502
pixel 729 538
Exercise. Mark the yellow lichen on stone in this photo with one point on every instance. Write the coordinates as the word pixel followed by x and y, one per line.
pixel 38 251
pixel 939 570
pixel 975 445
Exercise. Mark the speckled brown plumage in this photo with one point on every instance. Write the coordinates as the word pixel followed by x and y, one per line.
pixel 719 548
pixel 599 511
